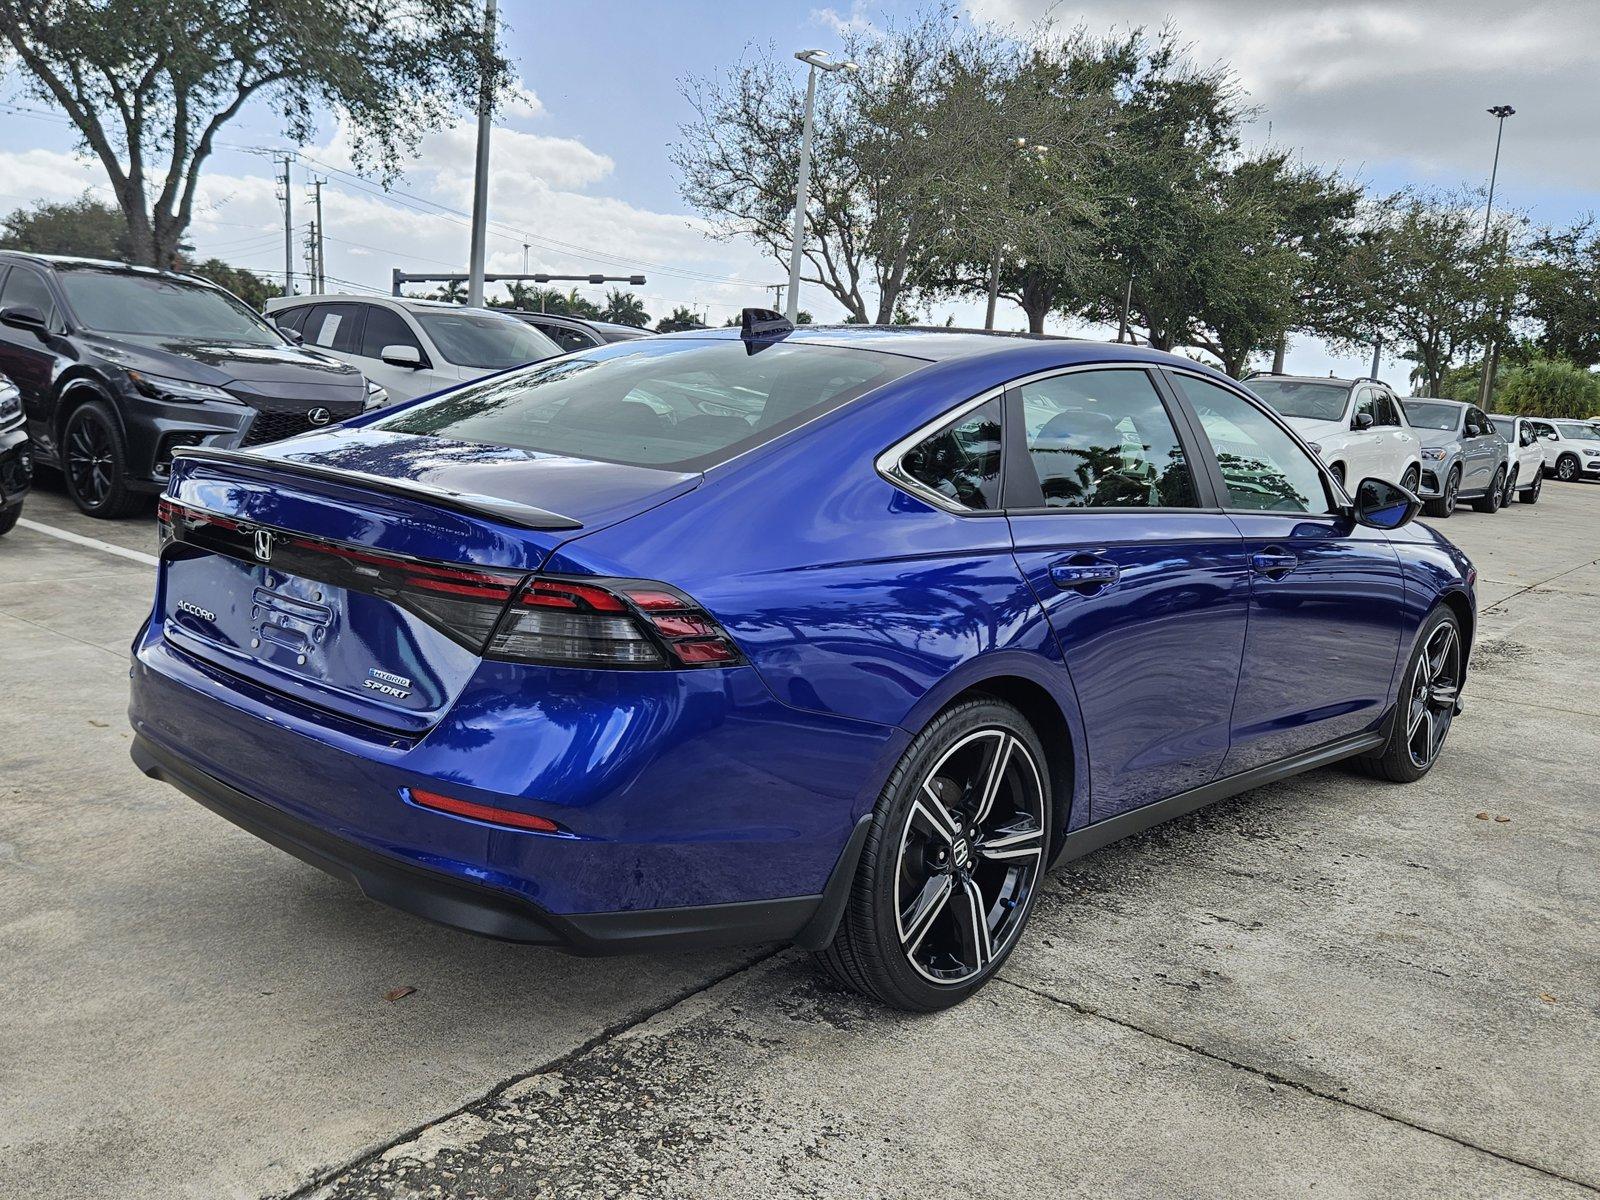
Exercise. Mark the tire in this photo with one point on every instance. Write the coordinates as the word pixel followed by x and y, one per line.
pixel 909 940
pixel 1337 471
pixel 1510 490
pixel 94 463
pixel 1441 508
pixel 1398 761
pixel 9 518
pixel 1489 502
pixel 1567 468
pixel 1530 495
pixel 1412 479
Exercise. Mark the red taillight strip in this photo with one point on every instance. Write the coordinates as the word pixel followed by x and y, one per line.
pixel 460 580
pixel 481 812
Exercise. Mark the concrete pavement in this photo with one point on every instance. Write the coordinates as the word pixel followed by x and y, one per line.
pixel 1330 984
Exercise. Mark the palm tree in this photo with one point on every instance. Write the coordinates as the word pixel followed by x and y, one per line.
pixel 625 308
pixel 453 292
pixel 681 318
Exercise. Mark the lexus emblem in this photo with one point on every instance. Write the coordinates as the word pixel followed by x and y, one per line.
pixel 264 545
pixel 319 416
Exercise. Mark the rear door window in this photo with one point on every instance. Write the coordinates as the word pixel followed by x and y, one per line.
pixel 1103 439
pixel 335 327
pixel 684 403
pixel 565 336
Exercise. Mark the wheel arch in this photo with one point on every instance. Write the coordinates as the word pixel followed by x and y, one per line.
pixel 74 391
pixel 1053 715
pixel 1458 604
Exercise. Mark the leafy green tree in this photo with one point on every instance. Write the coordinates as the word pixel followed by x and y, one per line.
pixel 1441 283
pixel 1546 387
pixel 679 319
pixel 1562 283
pixel 253 289
pixel 150 84
pixel 453 291
pixel 625 308
pixel 86 227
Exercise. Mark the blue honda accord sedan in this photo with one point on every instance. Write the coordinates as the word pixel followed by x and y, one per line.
pixel 835 636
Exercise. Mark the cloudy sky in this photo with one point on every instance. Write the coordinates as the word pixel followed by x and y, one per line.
pixel 1394 93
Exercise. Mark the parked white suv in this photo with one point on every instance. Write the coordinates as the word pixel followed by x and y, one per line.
pixel 411 347
pixel 1527 457
pixel 1355 425
pixel 1571 448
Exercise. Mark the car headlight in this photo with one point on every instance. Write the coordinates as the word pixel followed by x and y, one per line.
pixel 182 390
pixel 1315 449
pixel 377 396
pixel 1433 453
pixel 10 404
pixel 1593 453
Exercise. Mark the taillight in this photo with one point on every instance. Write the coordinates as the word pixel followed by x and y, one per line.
pixel 610 623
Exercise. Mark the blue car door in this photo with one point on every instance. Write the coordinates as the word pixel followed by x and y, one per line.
pixel 1326 594
pixel 1141 576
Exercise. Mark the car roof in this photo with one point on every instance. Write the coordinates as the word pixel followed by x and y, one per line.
pixel 929 343
pixel 409 302
pixel 1260 375
pixel 71 261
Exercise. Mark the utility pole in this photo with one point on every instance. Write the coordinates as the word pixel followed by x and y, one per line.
pixel 311 256
pixel 1377 353
pixel 319 263
pixel 288 229
pixel 480 171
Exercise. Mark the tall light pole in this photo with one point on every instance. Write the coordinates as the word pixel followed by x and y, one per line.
pixel 816 60
pixel 1491 356
pixel 1500 112
pixel 480 172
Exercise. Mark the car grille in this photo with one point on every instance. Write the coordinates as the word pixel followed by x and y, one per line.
pixel 272 424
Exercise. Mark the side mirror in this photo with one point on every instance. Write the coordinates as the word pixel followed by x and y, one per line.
pixel 1549 437
pixel 1384 505
pixel 402 356
pixel 1363 421
pixel 22 317
pixel 294 335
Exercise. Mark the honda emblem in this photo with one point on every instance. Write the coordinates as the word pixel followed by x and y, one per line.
pixel 264 545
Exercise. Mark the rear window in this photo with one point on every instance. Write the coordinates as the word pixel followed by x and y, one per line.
pixel 679 403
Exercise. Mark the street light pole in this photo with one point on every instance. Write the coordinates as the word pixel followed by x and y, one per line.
pixel 1491 357
pixel 480 172
pixel 1500 112
pixel 815 60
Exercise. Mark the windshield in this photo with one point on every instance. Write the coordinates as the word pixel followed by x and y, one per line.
pixel 683 403
pixel 1293 398
pixel 1505 427
pixel 1432 414
pixel 162 306
pixel 1577 432
pixel 484 340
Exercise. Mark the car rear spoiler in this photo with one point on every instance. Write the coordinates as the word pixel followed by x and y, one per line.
pixel 524 516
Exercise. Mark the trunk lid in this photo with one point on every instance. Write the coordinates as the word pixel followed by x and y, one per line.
pixel 362 571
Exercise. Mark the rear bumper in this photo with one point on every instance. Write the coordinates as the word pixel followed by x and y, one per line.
pixel 490 912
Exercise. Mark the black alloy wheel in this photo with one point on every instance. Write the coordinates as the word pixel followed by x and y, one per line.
pixel 953 862
pixel 94 461
pixel 1530 494
pixel 1444 506
pixel 1412 479
pixel 1429 698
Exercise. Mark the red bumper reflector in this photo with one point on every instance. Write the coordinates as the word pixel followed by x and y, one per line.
pixel 482 812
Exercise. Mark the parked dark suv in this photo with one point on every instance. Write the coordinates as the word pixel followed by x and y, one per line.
pixel 119 365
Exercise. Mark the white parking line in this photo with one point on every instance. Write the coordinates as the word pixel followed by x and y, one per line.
pixel 78 539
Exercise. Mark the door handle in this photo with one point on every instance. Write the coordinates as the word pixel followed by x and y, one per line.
pixel 1274 564
pixel 1085 577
